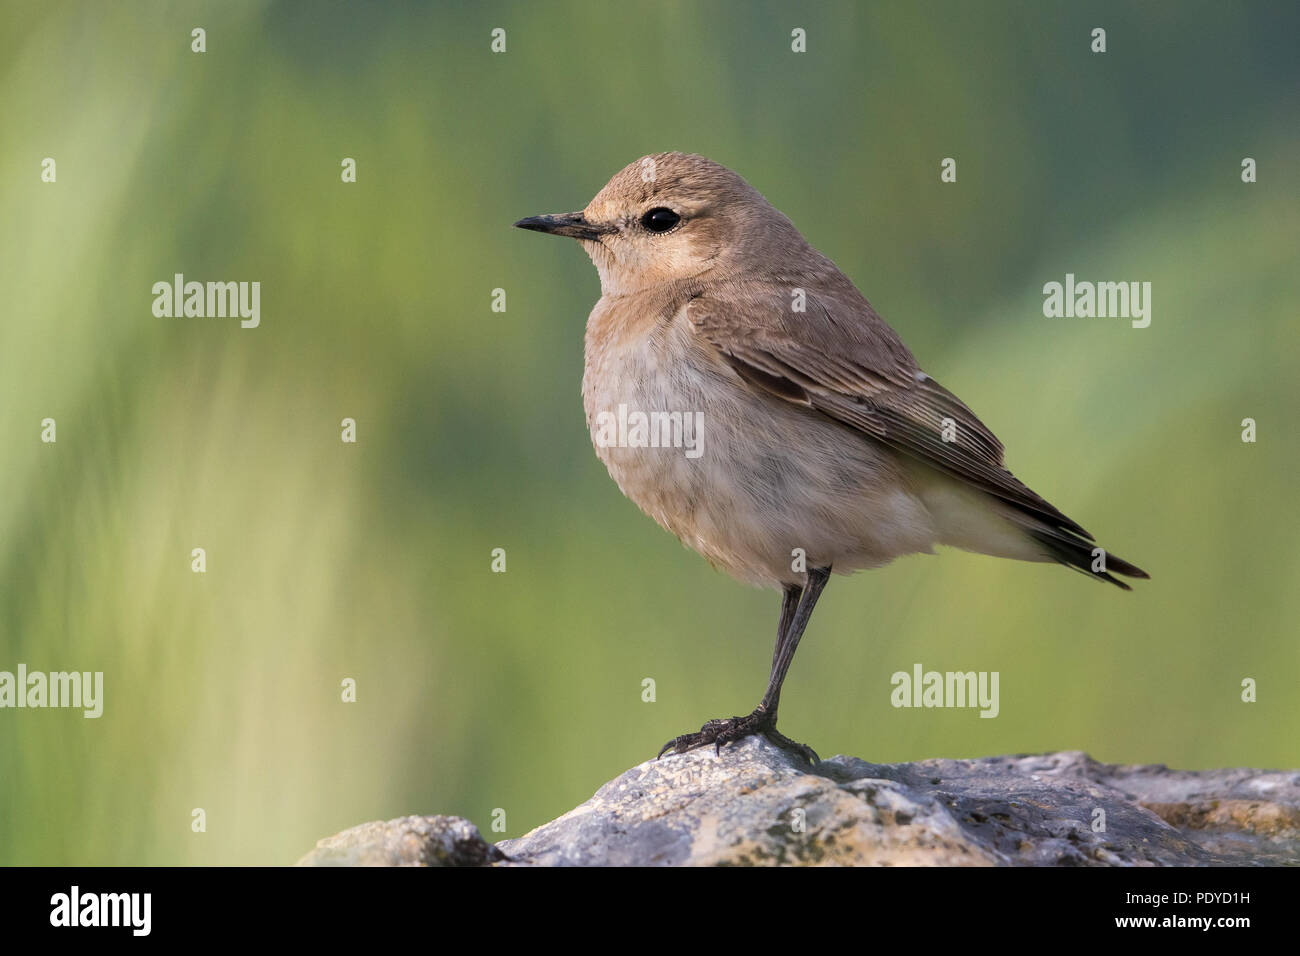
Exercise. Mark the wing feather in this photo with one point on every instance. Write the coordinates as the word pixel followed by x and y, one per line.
pixel 840 358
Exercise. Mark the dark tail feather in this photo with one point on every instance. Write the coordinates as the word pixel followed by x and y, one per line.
pixel 1075 552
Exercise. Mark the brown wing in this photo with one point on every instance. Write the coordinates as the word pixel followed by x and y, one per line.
pixel 840 358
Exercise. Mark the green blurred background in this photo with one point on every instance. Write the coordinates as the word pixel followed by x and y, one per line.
pixel 522 690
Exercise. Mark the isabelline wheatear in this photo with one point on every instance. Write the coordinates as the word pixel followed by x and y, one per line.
pixel 822 440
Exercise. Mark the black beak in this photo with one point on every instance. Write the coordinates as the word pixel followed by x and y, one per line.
pixel 571 224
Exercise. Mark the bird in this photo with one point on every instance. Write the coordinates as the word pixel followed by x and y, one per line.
pixel 822 445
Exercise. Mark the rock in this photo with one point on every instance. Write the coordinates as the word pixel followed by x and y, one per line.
pixel 756 804
pixel 406 841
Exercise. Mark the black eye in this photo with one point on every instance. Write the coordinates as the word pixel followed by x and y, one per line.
pixel 660 219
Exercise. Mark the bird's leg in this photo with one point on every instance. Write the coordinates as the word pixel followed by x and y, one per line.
pixel 789 603
pixel 796 608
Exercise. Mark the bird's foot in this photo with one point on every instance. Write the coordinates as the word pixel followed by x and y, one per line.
pixel 726 729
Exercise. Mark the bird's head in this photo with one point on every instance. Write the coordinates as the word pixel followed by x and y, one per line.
pixel 672 217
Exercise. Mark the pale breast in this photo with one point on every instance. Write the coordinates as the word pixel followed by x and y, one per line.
pixel 747 480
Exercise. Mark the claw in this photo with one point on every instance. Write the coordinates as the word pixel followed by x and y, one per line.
pixel 725 730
